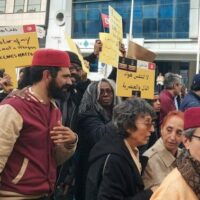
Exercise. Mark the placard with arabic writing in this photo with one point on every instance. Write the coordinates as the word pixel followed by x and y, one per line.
pixel 135 78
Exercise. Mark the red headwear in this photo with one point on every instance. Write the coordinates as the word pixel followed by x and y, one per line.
pixel 50 57
pixel 192 118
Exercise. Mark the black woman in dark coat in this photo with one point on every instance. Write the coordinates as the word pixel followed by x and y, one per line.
pixel 95 122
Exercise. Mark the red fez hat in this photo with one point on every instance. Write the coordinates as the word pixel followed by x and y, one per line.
pixel 50 57
pixel 192 118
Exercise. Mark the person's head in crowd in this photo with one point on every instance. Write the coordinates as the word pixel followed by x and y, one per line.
pixel 191 133
pixel 50 69
pixel 183 91
pixel 173 83
pixel 75 67
pixel 24 78
pixel 100 95
pixel 97 47
pixel 21 74
pixel 195 86
pixel 155 102
pixel 172 130
pixel 105 93
pixel 133 119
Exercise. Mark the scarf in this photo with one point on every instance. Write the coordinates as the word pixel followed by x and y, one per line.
pixel 190 170
pixel 91 97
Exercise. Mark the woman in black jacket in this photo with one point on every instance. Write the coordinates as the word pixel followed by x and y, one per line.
pixel 95 121
pixel 115 166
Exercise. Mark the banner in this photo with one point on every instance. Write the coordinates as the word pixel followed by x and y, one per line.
pixel 105 20
pixel 135 78
pixel 17 45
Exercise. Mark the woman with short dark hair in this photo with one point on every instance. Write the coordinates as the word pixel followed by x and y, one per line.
pixel 115 166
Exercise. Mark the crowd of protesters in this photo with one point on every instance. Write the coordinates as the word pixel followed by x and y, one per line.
pixel 64 137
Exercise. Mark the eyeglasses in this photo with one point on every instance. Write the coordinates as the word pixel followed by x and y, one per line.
pixel 195 136
pixel 148 124
pixel 106 91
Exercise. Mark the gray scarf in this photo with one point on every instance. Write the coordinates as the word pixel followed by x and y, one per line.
pixel 91 97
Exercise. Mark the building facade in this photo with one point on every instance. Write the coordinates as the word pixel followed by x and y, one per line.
pixel 167 27
pixel 21 12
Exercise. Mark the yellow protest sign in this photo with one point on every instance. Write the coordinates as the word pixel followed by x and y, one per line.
pixel 73 48
pixel 115 24
pixel 110 49
pixel 17 45
pixel 135 79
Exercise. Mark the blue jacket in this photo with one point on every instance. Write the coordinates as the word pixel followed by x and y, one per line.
pixel 190 100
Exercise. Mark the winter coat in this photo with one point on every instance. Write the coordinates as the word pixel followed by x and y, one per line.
pixel 69 106
pixel 190 100
pixel 94 123
pixel 113 175
pixel 161 162
pixel 166 104
pixel 93 127
pixel 28 155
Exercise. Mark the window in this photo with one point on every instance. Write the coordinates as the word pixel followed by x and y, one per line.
pixel 88 1
pixel 2 6
pixel 153 19
pixel 19 6
pixel 34 6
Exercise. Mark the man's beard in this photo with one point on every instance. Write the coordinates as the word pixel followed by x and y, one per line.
pixel 56 92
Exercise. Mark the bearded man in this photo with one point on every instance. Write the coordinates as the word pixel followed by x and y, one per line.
pixel 32 139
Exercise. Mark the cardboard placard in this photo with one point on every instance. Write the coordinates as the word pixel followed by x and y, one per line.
pixel 134 79
pixel 110 49
pixel 115 24
pixel 138 52
pixel 17 45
